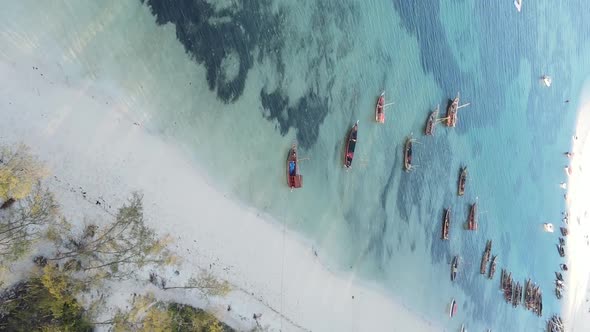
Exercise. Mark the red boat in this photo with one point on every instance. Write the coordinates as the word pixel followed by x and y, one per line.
pixel 294 179
pixel 350 145
pixel 472 221
pixel 380 108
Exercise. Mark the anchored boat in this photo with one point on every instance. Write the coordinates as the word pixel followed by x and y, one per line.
pixel 446 224
pixel 454 268
pixel 350 145
pixel 518 5
pixel 472 219
pixel 431 122
pixel 486 257
pixel 452 110
pixel 453 308
pixel 462 180
pixel 408 154
pixel 294 179
pixel 379 109
pixel 492 268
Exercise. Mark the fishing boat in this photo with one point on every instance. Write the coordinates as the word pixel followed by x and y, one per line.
pixel 518 5
pixel 380 108
pixel 446 224
pixel 350 145
pixel 547 80
pixel 294 179
pixel 408 154
pixel 453 308
pixel 564 231
pixel 463 329
pixel 559 276
pixel 560 250
pixel 452 110
pixel 454 268
pixel 492 268
pixel 472 219
pixel 462 180
pixel 561 241
pixel 485 258
pixel 431 121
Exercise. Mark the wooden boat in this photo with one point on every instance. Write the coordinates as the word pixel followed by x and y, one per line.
pixel 446 225
pixel 559 276
pixel 294 179
pixel 454 268
pixel 463 328
pixel 561 241
pixel 564 231
pixel 560 250
pixel 408 154
pixel 486 257
pixel 453 308
pixel 452 110
pixel 492 268
pixel 350 145
pixel 462 180
pixel 380 108
pixel 431 122
pixel 472 219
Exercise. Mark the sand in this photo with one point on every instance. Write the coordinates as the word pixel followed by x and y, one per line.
pixel 576 309
pixel 99 151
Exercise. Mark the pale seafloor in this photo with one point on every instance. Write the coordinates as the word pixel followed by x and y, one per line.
pixel 234 83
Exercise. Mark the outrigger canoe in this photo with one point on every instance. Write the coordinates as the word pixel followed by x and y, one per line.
pixel 408 154
pixel 431 122
pixel 380 108
pixel 294 179
pixel 462 180
pixel 472 219
pixel 446 224
pixel 350 145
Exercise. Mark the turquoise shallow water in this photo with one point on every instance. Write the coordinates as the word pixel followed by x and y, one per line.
pixel 235 83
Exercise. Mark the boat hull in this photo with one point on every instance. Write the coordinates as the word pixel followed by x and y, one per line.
pixel 379 111
pixel 408 155
pixel 350 146
pixel 294 179
pixel 462 180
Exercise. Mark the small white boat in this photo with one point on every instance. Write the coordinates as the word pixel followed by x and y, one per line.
pixel 563 185
pixel 453 308
pixel 518 4
pixel 547 80
pixel 548 227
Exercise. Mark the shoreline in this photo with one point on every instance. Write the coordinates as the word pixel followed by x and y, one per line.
pixel 92 144
pixel 577 241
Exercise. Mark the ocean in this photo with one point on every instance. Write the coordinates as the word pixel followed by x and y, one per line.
pixel 235 83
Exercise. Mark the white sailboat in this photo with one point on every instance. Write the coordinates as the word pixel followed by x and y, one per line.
pixel 547 80
pixel 518 4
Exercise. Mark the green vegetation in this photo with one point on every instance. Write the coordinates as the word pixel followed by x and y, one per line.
pixel 44 303
pixel 81 261
pixel 147 314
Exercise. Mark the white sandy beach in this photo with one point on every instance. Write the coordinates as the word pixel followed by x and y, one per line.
pixel 576 308
pixel 95 144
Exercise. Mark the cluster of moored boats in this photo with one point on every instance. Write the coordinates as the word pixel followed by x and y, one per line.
pixel 555 324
